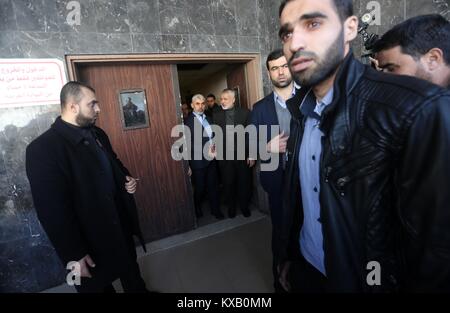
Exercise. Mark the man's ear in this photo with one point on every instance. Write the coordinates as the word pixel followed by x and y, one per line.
pixel 72 107
pixel 433 59
pixel 350 29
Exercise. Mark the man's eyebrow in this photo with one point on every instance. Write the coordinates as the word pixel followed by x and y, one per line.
pixel 278 66
pixel 312 15
pixel 386 65
pixel 309 16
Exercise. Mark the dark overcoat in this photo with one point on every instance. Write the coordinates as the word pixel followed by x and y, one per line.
pixel 79 214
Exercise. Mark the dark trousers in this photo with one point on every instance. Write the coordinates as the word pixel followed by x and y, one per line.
pixel 275 203
pixel 237 185
pixel 130 278
pixel 131 281
pixel 205 181
pixel 305 278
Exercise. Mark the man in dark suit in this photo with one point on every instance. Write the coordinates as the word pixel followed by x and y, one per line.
pixel 211 105
pixel 232 154
pixel 202 167
pixel 83 196
pixel 268 112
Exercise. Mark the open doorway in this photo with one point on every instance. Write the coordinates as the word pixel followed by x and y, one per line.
pixel 164 199
pixel 213 78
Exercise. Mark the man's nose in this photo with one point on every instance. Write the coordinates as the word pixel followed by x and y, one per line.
pixel 297 41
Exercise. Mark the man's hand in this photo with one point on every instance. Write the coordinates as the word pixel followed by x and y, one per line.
pixel 131 184
pixel 375 64
pixel 283 271
pixel 85 263
pixel 278 144
pixel 189 172
pixel 212 151
pixel 251 162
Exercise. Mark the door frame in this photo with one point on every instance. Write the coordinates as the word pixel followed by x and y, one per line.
pixel 253 69
pixel 252 63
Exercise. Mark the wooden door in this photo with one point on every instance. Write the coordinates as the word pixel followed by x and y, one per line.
pixel 237 80
pixel 164 195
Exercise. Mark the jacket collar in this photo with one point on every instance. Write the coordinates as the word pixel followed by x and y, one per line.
pixel 70 133
pixel 275 95
pixel 271 100
pixel 295 102
pixel 347 77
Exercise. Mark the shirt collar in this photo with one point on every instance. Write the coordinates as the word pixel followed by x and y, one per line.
pixel 327 99
pixel 308 106
pixel 278 99
pixel 200 115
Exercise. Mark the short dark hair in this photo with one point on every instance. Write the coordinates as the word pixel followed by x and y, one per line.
pixel 211 96
pixel 72 89
pixel 418 35
pixel 344 8
pixel 274 55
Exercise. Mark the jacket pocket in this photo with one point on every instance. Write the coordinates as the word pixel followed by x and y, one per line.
pixel 361 164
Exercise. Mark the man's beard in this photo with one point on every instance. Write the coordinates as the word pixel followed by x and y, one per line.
pixel 283 84
pixel 84 121
pixel 325 68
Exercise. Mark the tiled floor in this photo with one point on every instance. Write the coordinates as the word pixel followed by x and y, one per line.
pixel 228 256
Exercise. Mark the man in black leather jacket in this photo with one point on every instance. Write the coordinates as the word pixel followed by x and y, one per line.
pixel 366 205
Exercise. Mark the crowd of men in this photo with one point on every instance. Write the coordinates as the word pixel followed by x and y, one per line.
pixel 362 169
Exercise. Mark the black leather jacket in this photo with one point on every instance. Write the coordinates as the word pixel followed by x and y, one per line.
pixel 385 182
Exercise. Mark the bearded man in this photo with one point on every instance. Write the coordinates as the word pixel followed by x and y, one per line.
pixel 366 205
pixel 83 196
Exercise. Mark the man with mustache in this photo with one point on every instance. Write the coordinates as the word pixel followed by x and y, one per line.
pixel 202 169
pixel 419 47
pixel 366 207
pixel 83 196
pixel 268 112
pixel 235 168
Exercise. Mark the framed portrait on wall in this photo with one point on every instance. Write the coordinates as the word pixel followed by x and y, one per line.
pixel 133 109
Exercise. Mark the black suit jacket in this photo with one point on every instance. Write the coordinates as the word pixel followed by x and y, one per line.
pixel 210 111
pixel 241 117
pixel 196 145
pixel 264 114
pixel 79 217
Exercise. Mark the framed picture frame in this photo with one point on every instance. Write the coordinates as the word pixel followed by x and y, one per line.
pixel 133 109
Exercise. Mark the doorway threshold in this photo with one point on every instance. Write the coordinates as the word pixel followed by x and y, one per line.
pixel 199 233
